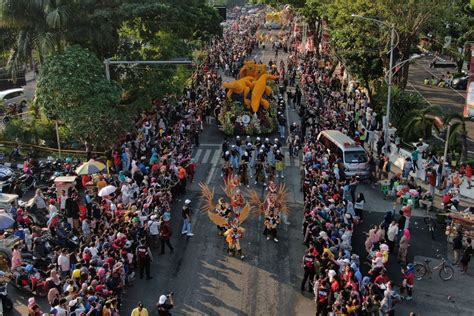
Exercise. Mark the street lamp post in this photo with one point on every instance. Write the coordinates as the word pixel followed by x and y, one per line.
pixel 389 92
pixel 393 33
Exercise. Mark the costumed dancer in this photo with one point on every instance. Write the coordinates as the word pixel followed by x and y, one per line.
pixel 228 221
pixel 273 206
pixel 243 173
pixel 222 210
pixel 237 201
pixel 260 170
pixel 271 224
pixel 233 236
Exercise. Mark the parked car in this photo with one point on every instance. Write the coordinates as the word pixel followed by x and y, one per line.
pixel 12 96
pixel 460 83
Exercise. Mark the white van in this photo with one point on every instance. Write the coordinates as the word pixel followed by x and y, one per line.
pixel 351 154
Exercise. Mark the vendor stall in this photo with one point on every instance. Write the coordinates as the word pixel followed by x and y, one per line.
pixel 463 220
pixel 64 183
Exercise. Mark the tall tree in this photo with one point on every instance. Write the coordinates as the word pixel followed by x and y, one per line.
pixel 39 26
pixel 358 44
pixel 458 132
pixel 72 88
pixel 453 29
pixel 314 12
pixel 410 18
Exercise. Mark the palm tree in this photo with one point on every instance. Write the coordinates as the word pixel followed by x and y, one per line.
pixel 421 122
pixel 39 25
pixel 458 133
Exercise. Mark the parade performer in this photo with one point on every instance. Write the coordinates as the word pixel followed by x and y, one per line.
pixel 233 236
pixel 243 173
pixel 271 223
pixel 273 206
pixel 230 220
pixel 237 201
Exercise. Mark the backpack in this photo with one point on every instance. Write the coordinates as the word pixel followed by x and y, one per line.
pixel 142 253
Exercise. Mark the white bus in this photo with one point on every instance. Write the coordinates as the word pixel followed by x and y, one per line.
pixel 353 156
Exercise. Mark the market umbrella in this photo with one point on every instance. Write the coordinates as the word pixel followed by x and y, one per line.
pixel 90 167
pixel 108 190
pixel 6 221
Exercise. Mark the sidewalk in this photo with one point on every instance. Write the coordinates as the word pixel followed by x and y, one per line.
pixel 397 160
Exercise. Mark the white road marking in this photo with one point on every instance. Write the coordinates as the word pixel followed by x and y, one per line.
pixel 198 155
pixel 206 155
pixel 437 77
pixel 214 167
pixel 215 157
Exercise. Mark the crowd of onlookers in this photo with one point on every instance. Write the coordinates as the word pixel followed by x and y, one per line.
pixel 333 207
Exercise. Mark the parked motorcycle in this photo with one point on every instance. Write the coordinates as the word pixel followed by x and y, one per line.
pixel 31 280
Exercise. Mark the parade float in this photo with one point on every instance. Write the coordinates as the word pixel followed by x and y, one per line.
pixel 249 108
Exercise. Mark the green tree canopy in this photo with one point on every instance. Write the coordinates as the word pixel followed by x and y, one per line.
pixel 358 44
pixel 72 88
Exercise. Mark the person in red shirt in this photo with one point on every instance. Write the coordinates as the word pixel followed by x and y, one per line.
pixel 117 161
pixel 431 176
pixel 408 281
pixel 191 169
pixel 382 278
pixel 322 298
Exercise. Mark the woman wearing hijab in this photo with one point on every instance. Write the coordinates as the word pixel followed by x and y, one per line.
pixel 403 249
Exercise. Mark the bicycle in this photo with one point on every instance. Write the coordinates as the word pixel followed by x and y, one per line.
pixel 446 271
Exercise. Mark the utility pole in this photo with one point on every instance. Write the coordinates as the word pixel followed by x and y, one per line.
pixel 389 93
pixel 109 62
pixel 57 138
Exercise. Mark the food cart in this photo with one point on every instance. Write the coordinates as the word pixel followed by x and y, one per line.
pixel 464 220
pixel 64 183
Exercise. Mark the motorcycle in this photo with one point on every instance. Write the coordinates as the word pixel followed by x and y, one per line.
pixel 31 280
pixel 32 212
pixel 27 182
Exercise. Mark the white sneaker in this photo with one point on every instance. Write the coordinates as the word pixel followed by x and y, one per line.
pixel 275 240
pixel 190 234
pixel 248 186
pixel 282 176
pixel 256 182
pixel 184 233
pixel 268 238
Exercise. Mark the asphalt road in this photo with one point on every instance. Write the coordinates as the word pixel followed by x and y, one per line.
pixel 449 100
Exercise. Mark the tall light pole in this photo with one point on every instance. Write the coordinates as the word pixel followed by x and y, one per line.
pixel 393 33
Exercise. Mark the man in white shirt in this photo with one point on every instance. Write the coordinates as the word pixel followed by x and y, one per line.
pixel 154 229
pixel 392 233
pixel 64 263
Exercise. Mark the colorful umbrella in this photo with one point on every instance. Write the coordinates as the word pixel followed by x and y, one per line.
pixel 90 167
pixel 108 190
pixel 6 221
